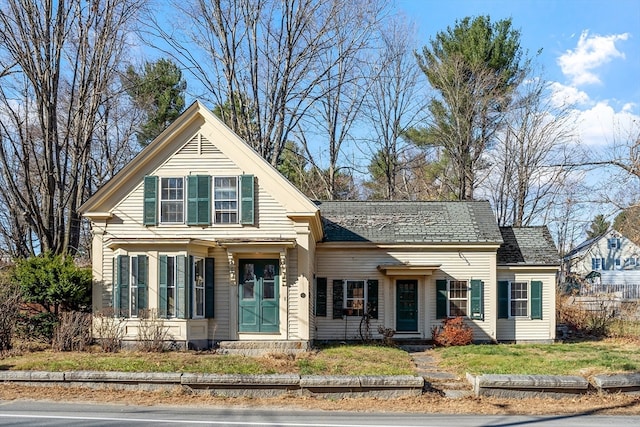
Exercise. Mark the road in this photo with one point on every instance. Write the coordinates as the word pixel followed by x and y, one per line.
pixel 31 413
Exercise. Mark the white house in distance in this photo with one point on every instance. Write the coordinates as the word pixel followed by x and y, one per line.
pixel 611 257
pixel 199 228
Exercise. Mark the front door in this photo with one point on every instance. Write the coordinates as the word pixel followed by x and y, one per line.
pixel 258 296
pixel 407 305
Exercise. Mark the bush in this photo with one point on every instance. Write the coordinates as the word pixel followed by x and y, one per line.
pixel 109 330
pixel 36 327
pixel 593 318
pixel 452 332
pixel 73 332
pixel 152 333
pixel 9 313
pixel 54 282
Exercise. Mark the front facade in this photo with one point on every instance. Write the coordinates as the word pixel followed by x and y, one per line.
pixel 610 252
pixel 201 231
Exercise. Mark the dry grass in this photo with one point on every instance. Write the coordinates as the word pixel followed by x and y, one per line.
pixel 429 403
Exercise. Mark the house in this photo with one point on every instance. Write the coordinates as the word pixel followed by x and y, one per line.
pixel 611 255
pixel 204 232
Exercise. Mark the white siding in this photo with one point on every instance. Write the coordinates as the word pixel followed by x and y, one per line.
pixel 362 264
pixel 525 329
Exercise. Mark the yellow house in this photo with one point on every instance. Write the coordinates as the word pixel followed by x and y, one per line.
pixel 204 232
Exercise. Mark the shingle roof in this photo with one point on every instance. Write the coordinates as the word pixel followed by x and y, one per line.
pixel 527 245
pixel 409 222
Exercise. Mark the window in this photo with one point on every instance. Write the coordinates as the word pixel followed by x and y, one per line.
pixel 172 200
pixel 618 263
pixel 457 298
pixel 355 298
pixel 198 288
pixel 598 264
pixel 130 297
pixel 631 262
pixel 518 299
pixel 171 287
pixel 460 298
pixel 613 243
pixel 226 200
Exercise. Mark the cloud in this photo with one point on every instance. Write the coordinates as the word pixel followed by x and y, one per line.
pixel 592 52
pixel 562 95
pixel 601 125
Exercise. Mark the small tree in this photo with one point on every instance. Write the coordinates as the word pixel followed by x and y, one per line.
pixel 598 227
pixel 54 283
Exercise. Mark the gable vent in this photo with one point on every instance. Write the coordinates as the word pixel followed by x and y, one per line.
pixel 198 145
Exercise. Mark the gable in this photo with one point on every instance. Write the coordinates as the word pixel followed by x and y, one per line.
pixel 195 136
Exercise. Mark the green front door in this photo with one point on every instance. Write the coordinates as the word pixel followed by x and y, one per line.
pixel 258 296
pixel 406 305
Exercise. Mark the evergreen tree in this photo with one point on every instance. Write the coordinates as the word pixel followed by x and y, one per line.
pixel 598 227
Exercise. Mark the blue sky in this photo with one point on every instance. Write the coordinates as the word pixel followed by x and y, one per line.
pixel 590 50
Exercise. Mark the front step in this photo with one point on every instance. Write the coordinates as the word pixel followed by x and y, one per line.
pixel 262 348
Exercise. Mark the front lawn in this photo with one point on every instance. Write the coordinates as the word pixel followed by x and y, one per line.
pixel 580 358
pixel 336 360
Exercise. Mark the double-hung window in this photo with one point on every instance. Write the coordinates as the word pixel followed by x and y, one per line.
pixel 355 298
pixel 172 200
pixel 226 200
pixel 130 285
pixel 598 264
pixel 198 288
pixel 518 299
pixel 613 243
pixel 458 290
pixel 460 298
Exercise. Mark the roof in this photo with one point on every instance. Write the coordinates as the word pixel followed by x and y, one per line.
pixel 409 222
pixel 527 246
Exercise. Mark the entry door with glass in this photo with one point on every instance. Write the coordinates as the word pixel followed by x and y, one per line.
pixel 258 296
pixel 407 305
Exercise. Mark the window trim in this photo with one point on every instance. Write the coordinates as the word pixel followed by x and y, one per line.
pixel 161 200
pixel 364 299
pixel 198 286
pixel 216 200
pixel 467 290
pixel 527 299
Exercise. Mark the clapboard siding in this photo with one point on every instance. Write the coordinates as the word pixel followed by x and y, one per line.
pixel 363 264
pixel 293 291
pixel 524 329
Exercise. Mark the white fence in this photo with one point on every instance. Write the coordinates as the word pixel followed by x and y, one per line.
pixel 625 291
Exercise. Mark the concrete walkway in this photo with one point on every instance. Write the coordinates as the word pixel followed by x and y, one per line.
pixel 437 380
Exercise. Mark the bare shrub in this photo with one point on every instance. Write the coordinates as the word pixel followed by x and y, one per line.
pixel 593 317
pixel 152 332
pixel 109 330
pixel 452 332
pixel 387 335
pixel 73 331
pixel 9 312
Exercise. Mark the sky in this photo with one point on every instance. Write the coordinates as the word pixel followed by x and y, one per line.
pixel 590 50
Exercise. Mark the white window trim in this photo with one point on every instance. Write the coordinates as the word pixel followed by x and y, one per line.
pixel 449 299
pixel 528 300
pixel 237 200
pixel 196 287
pixel 365 299
pixel 161 200
pixel 173 280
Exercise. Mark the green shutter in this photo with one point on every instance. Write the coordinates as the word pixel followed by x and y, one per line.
pixel 441 299
pixel 209 276
pixel 338 299
pixel 321 297
pixel 503 299
pixel 247 208
pixel 115 287
pixel 181 287
pixel 150 211
pixel 198 200
pixel 123 286
pixel 536 299
pixel 143 282
pixel 372 296
pixel 477 311
pixel 162 287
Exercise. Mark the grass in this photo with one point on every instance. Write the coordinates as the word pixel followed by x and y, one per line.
pixel 338 360
pixel 579 358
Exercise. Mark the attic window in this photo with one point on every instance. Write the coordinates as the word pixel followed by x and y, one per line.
pixel 172 200
pixel 226 200
pixel 614 243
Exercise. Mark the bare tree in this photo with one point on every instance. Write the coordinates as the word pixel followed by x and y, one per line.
pixel 528 161
pixel 259 56
pixel 62 59
pixel 394 105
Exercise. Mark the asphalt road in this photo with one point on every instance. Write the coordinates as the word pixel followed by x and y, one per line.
pixel 30 413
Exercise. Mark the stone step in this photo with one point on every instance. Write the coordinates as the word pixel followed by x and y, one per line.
pixel 261 348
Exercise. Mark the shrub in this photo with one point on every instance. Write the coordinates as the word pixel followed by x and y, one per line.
pixel 54 282
pixel 593 318
pixel 73 332
pixel 152 333
pixel 387 335
pixel 36 327
pixel 109 330
pixel 452 332
pixel 9 312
